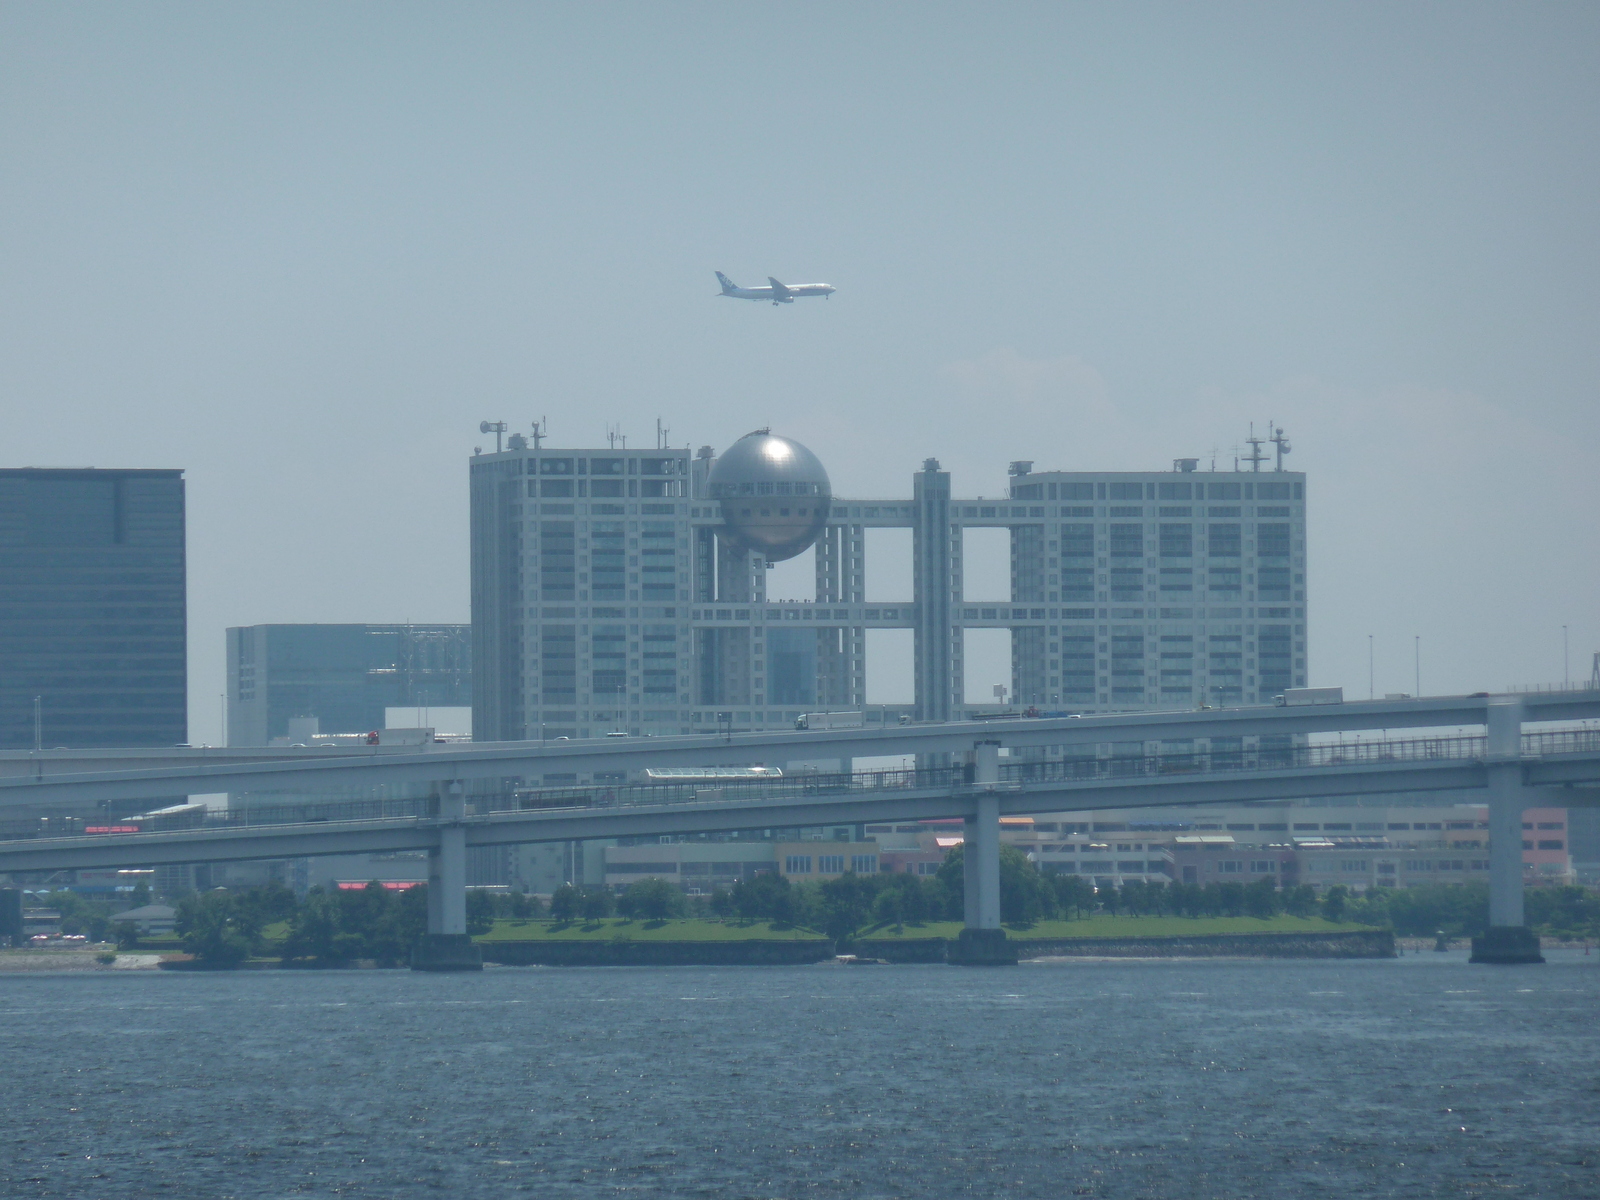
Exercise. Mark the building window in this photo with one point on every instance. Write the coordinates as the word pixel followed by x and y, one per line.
pixel 830 864
pixel 797 864
pixel 1176 541
pixel 864 864
pixel 1224 539
pixel 1127 541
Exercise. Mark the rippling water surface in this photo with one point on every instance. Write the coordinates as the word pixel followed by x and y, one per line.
pixel 1417 1077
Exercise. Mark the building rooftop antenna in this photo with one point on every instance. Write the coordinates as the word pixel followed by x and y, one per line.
pixel 498 428
pixel 1255 458
pixel 540 431
pixel 1280 439
pixel 661 435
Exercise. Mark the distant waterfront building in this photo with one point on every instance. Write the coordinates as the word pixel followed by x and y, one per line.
pixel 610 593
pixel 344 676
pixel 92 608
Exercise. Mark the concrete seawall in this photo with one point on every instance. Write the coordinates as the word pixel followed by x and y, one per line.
pixel 1375 943
pixel 617 952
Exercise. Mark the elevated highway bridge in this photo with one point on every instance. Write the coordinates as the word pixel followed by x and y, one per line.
pixel 1505 762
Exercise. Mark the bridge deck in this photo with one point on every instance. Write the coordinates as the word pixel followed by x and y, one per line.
pixel 1424 764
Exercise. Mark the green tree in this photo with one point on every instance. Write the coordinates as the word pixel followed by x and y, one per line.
pixel 565 903
pixel 888 908
pixel 1135 899
pixel 1026 895
pixel 1334 902
pixel 722 903
pixel 597 902
pixel 269 903
pixel 1564 911
pixel 845 904
pixel 480 912
pixel 902 897
pixel 1300 900
pixel 210 925
pixel 1261 898
pixel 86 915
pixel 1231 899
pixel 653 899
pixel 1074 894
pixel 765 896
pixel 316 931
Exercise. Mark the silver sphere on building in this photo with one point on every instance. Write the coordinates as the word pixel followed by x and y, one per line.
pixel 774 493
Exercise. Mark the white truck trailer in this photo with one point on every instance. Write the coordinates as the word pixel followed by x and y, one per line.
pixel 830 720
pixel 1294 697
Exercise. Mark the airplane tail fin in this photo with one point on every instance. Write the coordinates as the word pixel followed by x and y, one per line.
pixel 727 284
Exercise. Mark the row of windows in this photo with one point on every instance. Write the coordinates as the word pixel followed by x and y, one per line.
pixel 607 488
pixel 1176 540
pixel 1129 490
pixel 608 466
pixel 770 488
pixel 830 864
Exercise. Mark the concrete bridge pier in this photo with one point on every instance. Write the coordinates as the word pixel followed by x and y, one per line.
pixel 1508 938
pixel 446 946
pixel 983 942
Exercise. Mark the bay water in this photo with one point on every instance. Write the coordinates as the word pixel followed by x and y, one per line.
pixel 1417 1077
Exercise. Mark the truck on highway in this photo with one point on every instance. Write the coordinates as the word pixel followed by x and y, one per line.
pixel 1293 697
pixel 830 720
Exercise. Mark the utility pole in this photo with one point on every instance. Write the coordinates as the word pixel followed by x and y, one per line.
pixel 1372 693
pixel 38 724
pixel 1417 648
pixel 1566 670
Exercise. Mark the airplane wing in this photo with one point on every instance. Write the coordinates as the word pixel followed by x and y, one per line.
pixel 779 292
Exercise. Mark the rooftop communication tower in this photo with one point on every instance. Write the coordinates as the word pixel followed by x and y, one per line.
pixel 1255 458
pixel 498 428
pixel 1280 439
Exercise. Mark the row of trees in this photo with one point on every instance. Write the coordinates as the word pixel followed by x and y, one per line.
pixel 843 906
pixel 224 928
pixel 1462 910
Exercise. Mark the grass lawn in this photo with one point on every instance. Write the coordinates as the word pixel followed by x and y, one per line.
pixel 1102 925
pixel 620 928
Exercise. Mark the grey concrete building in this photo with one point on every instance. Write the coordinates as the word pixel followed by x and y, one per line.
pixel 608 594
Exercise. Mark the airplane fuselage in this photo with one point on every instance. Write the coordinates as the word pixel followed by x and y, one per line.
pixel 776 293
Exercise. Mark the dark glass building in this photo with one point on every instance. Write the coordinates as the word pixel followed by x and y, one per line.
pixel 92 608
pixel 343 675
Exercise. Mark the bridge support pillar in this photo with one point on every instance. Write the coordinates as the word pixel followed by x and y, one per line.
pixel 983 942
pixel 446 946
pixel 1508 939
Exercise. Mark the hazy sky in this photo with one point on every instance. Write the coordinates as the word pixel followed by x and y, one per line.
pixel 301 250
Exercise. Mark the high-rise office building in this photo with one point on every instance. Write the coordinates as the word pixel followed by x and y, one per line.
pixel 92 608
pixel 580 584
pixel 345 676
pixel 612 590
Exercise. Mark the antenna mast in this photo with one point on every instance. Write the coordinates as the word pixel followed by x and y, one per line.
pixel 540 431
pixel 498 428
pixel 1280 439
pixel 1255 458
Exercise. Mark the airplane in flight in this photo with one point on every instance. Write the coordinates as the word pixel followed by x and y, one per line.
pixel 778 293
